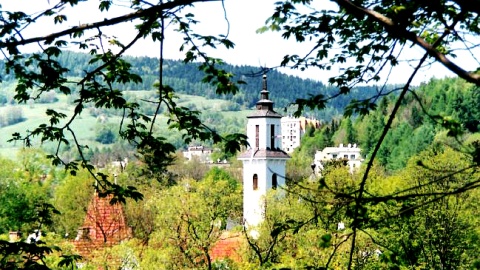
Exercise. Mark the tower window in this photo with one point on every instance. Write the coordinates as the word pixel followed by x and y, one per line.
pixel 274 181
pixel 272 137
pixel 255 182
pixel 257 134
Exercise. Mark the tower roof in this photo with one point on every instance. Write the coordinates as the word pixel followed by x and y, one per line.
pixel 264 154
pixel 264 107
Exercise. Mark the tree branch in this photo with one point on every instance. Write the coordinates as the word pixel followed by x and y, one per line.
pixel 149 12
pixel 399 31
pixel 383 135
pixel 469 5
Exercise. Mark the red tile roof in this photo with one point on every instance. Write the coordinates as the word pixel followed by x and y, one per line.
pixel 104 225
pixel 228 246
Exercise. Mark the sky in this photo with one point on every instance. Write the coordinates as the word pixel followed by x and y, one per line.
pixel 244 18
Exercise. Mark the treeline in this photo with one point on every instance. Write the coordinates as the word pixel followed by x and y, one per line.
pixel 435 111
pixel 187 79
pixel 11 116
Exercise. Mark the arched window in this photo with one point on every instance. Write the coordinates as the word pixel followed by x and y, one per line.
pixel 255 182
pixel 274 181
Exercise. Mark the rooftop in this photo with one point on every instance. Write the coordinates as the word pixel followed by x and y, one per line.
pixel 264 105
pixel 262 153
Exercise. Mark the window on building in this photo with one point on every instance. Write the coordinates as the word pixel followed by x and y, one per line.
pixel 345 156
pixel 272 137
pixel 274 181
pixel 257 134
pixel 352 157
pixel 255 182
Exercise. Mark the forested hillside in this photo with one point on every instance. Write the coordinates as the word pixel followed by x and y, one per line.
pixel 440 112
pixel 187 79
pixel 422 120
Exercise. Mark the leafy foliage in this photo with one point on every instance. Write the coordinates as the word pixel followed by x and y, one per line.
pixel 190 219
pixel 361 38
pixel 39 73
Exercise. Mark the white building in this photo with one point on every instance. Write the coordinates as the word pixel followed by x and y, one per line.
pixel 291 133
pixel 350 153
pixel 264 162
pixel 293 129
pixel 201 152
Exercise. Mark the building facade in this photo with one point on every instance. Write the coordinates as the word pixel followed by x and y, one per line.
pixel 201 152
pixel 293 129
pixel 350 153
pixel 264 161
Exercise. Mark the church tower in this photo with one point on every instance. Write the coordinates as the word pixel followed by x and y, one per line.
pixel 264 161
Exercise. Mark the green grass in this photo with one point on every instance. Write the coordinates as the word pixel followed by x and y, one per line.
pixel 237 114
pixel 85 125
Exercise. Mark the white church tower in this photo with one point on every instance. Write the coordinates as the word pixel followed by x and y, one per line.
pixel 264 161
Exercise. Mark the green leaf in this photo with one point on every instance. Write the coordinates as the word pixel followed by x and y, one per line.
pixel 325 240
pixel 105 5
pixel 59 19
pixel 69 260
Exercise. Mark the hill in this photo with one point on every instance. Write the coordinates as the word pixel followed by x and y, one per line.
pixel 186 79
pixel 413 130
pixel 96 127
pixel 225 113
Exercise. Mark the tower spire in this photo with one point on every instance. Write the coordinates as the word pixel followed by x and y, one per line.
pixel 264 103
pixel 264 92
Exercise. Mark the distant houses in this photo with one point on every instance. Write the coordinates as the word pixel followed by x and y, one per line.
pixel 202 153
pixel 292 130
pixel 351 154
